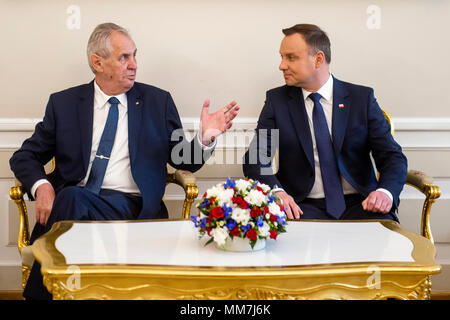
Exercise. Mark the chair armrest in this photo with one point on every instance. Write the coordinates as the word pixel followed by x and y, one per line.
pixel 418 179
pixel 424 184
pixel 16 193
pixel 187 181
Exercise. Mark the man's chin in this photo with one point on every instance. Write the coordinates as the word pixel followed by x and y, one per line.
pixel 129 84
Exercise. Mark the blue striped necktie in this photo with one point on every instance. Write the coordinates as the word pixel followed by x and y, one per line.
pixel 331 178
pixel 105 146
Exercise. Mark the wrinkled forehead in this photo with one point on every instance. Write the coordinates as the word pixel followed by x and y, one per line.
pixel 121 43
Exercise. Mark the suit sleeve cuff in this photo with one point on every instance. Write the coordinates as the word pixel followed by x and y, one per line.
pixel 36 185
pixel 386 192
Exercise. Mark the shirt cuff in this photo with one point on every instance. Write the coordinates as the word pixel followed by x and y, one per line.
pixel 36 185
pixel 386 192
pixel 208 147
pixel 276 189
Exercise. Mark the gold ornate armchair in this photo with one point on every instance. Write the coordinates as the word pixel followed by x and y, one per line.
pixel 424 184
pixel 185 179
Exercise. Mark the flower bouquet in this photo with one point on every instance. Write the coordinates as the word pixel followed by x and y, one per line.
pixel 244 209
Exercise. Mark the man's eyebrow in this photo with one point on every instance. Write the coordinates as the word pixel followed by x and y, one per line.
pixel 287 53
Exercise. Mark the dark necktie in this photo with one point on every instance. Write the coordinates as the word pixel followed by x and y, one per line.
pixel 331 178
pixel 105 146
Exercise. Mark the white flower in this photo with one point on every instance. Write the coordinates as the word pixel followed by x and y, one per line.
pixel 225 197
pixel 263 186
pixel 220 235
pixel 255 197
pixel 214 191
pixel 264 231
pixel 242 185
pixel 275 210
pixel 241 216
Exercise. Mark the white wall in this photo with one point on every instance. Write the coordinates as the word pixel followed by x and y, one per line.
pixel 226 50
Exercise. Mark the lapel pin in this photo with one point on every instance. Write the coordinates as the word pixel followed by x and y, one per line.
pixel 137 103
pixel 341 105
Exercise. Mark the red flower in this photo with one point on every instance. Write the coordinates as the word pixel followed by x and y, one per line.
pixel 281 207
pixel 212 199
pixel 235 231
pixel 273 234
pixel 273 218
pixel 216 212
pixel 240 202
pixel 208 230
pixel 251 234
pixel 204 195
pixel 255 212
pixel 266 209
pixel 261 189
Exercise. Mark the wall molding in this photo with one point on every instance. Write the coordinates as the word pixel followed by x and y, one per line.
pixel 414 134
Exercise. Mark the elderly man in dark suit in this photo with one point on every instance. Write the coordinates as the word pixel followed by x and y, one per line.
pixel 112 139
pixel 325 131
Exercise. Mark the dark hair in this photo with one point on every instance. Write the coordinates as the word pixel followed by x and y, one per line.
pixel 315 38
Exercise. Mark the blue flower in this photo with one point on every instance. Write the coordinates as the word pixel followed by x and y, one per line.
pixel 246 228
pixel 226 210
pixel 229 184
pixel 230 224
pixel 260 222
pixel 203 222
pixel 204 204
pixel 271 199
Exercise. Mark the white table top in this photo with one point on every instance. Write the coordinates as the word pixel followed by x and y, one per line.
pixel 177 243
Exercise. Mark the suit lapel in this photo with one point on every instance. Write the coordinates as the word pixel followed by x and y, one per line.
pixel 135 105
pixel 341 109
pixel 86 118
pixel 300 120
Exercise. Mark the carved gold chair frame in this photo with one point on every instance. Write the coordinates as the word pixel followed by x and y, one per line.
pixel 183 178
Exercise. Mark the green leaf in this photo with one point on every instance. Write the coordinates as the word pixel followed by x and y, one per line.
pixel 209 241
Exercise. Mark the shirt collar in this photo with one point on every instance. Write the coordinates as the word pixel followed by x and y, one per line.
pixel 101 98
pixel 326 91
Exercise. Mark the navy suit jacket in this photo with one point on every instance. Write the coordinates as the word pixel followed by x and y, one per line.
pixel 66 134
pixel 358 130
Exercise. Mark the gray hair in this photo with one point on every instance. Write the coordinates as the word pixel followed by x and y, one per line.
pixel 99 41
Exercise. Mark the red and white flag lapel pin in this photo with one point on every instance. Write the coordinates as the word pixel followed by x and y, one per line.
pixel 341 105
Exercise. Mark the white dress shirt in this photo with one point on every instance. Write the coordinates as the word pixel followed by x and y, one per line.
pixel 326 91
pixel 118 172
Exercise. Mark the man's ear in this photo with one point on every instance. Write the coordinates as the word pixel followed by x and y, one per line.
pixel 320 59
pixel 96 62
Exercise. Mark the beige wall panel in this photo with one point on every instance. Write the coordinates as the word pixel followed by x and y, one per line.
pixel 5 171
pixel 435 163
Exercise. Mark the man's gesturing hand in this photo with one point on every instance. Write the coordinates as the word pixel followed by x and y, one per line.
pixel 214 124
pixel 292 209
pixel 45 195
pixel 377 201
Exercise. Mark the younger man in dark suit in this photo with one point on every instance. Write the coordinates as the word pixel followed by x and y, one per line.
pixel 325 131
